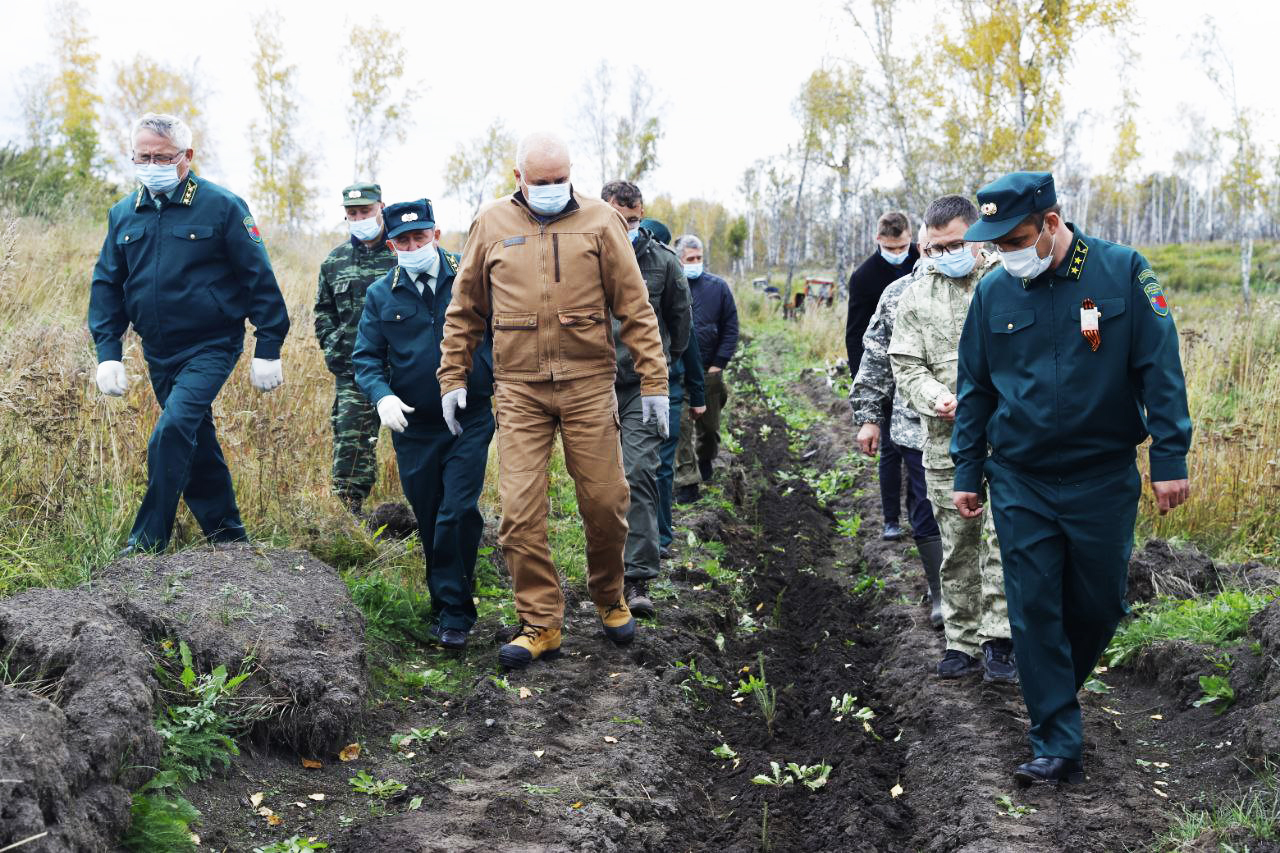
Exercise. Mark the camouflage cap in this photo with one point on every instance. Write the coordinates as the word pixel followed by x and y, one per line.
pixel 358 194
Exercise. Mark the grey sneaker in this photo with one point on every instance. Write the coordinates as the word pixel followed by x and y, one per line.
pixel 956 664
pixel 998 663
pixel 638 601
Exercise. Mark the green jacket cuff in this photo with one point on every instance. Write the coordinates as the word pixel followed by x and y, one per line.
pixel 968 476
pixel 1168 468
pixel 269 350
pixel 113 351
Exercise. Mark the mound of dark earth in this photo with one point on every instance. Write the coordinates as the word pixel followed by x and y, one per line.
pixel 283 614
pixel 395 520
pixel 75 729
pixel 78 697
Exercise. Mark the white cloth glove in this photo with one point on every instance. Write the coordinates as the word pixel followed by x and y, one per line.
pixel 112 380
pixel 391 410
pixel 451 403
pixel 659 409
pixel 266 374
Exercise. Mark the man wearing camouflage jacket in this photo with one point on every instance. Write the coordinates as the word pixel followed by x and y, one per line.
pixel 874 398
pixel 344 277
pixel 930 315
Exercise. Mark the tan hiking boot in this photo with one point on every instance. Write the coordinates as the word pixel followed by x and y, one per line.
pixel 619 624
pixel 529 644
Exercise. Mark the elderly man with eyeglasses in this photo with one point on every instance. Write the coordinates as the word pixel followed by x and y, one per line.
pixel 183 263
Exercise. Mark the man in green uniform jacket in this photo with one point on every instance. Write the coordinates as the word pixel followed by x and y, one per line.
pixel 396 357
pixel 1068 361
pixel 183 263
pixel 344 277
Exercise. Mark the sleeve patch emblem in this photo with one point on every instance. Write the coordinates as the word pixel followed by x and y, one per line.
pixel 1155 293
pixel 254 234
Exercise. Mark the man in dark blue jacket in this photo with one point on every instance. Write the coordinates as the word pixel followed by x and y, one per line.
pixel 1068 361
pixel 684 385
pixel 396 357
pixel 184 264
pixel 715 322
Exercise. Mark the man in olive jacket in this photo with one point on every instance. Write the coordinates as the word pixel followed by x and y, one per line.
pixel 545 268
pixel 641 443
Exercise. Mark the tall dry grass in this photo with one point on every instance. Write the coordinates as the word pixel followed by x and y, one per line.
pixel 1232 363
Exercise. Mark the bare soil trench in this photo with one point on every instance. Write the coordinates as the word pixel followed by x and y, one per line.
pixel 610 749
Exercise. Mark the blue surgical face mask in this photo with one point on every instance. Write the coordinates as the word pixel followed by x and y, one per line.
pixel 365 229
pixel 548 199
pixel 419 261
pixel 956 264
pixel 156 178
pixel 634 234
pixel 892 258
pixel 693 270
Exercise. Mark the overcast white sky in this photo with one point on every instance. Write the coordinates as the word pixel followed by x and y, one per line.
pixel 727 72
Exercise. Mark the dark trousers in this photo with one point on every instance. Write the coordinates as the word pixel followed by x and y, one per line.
pixel 890 476
pixel 667 463
pixel 641 452
pixel 184 459
pixel 919 508
pixel 1066 548
pixel 442 477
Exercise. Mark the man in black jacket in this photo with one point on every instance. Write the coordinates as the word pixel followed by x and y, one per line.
pixel 642 442
pixel 894 257
pixel 715 324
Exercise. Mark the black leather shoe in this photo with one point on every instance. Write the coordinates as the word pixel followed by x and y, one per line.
pixel 664 553
pixel 892 532
pixel 451 638
pixel 997 662
pixel 1047 770
pixel 687 494
pixel 956 664
pixel 705 469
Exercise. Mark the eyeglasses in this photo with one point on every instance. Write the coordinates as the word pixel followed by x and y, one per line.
pixel 158 159
pixel 935 252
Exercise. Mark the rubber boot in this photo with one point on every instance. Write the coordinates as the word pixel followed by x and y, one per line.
pixel 931 556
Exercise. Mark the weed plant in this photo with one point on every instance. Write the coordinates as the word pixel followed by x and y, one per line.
pixel 1214 621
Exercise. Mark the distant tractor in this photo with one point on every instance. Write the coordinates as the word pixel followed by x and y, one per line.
pixel 817 291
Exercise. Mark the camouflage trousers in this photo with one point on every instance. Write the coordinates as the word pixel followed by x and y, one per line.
pixel 355 440
pixel 973 604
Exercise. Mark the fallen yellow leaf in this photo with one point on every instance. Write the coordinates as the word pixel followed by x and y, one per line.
pixel 255 800
pixel 538 753
pixel 274 820
pixel 614 674
pixel 264 811
pixel 1157 716
pixel 1110 710
pixel 576 805
pixel 1161 764
pixel 195 839
pixel 319 798
pixel 312 764
pixel 350 752
pixel 760 607
pixel 301 805
pixel 525 693
pixel 1160 793
pixel 896 791
pixel 1161 783
pixel 610 739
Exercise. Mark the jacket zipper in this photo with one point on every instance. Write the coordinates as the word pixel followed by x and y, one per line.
pixel 555 250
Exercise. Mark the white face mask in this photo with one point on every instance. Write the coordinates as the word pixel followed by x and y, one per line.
pixel 418 261
pixel 548 199
pixel 1027 263
pixel 365 229
pixel 157 178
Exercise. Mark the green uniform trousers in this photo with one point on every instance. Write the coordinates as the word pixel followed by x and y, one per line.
pixel 700 438
pixel 355 440
pixel 641 448
pixel 1066 548
pixel 973 603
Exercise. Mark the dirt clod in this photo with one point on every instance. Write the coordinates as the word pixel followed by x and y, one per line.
pixel 395 520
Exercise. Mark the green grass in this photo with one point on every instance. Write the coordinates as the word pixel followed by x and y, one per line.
pixel 1215 621
pixel 1232 824
pixel 1194 267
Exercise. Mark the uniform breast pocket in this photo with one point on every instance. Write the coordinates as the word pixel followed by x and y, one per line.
pixel 1011 332
pixel 583 338
pixel 1109 309
pixel 515 342
pixel 405 326
pixel 199 236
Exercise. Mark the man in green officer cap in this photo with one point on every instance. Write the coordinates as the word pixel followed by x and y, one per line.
pixel 345 275
pixel 1068 361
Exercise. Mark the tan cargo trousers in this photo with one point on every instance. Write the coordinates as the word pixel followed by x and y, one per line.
pixel 586 413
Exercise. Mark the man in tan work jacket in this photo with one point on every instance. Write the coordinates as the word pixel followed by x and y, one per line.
pixel 546 267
